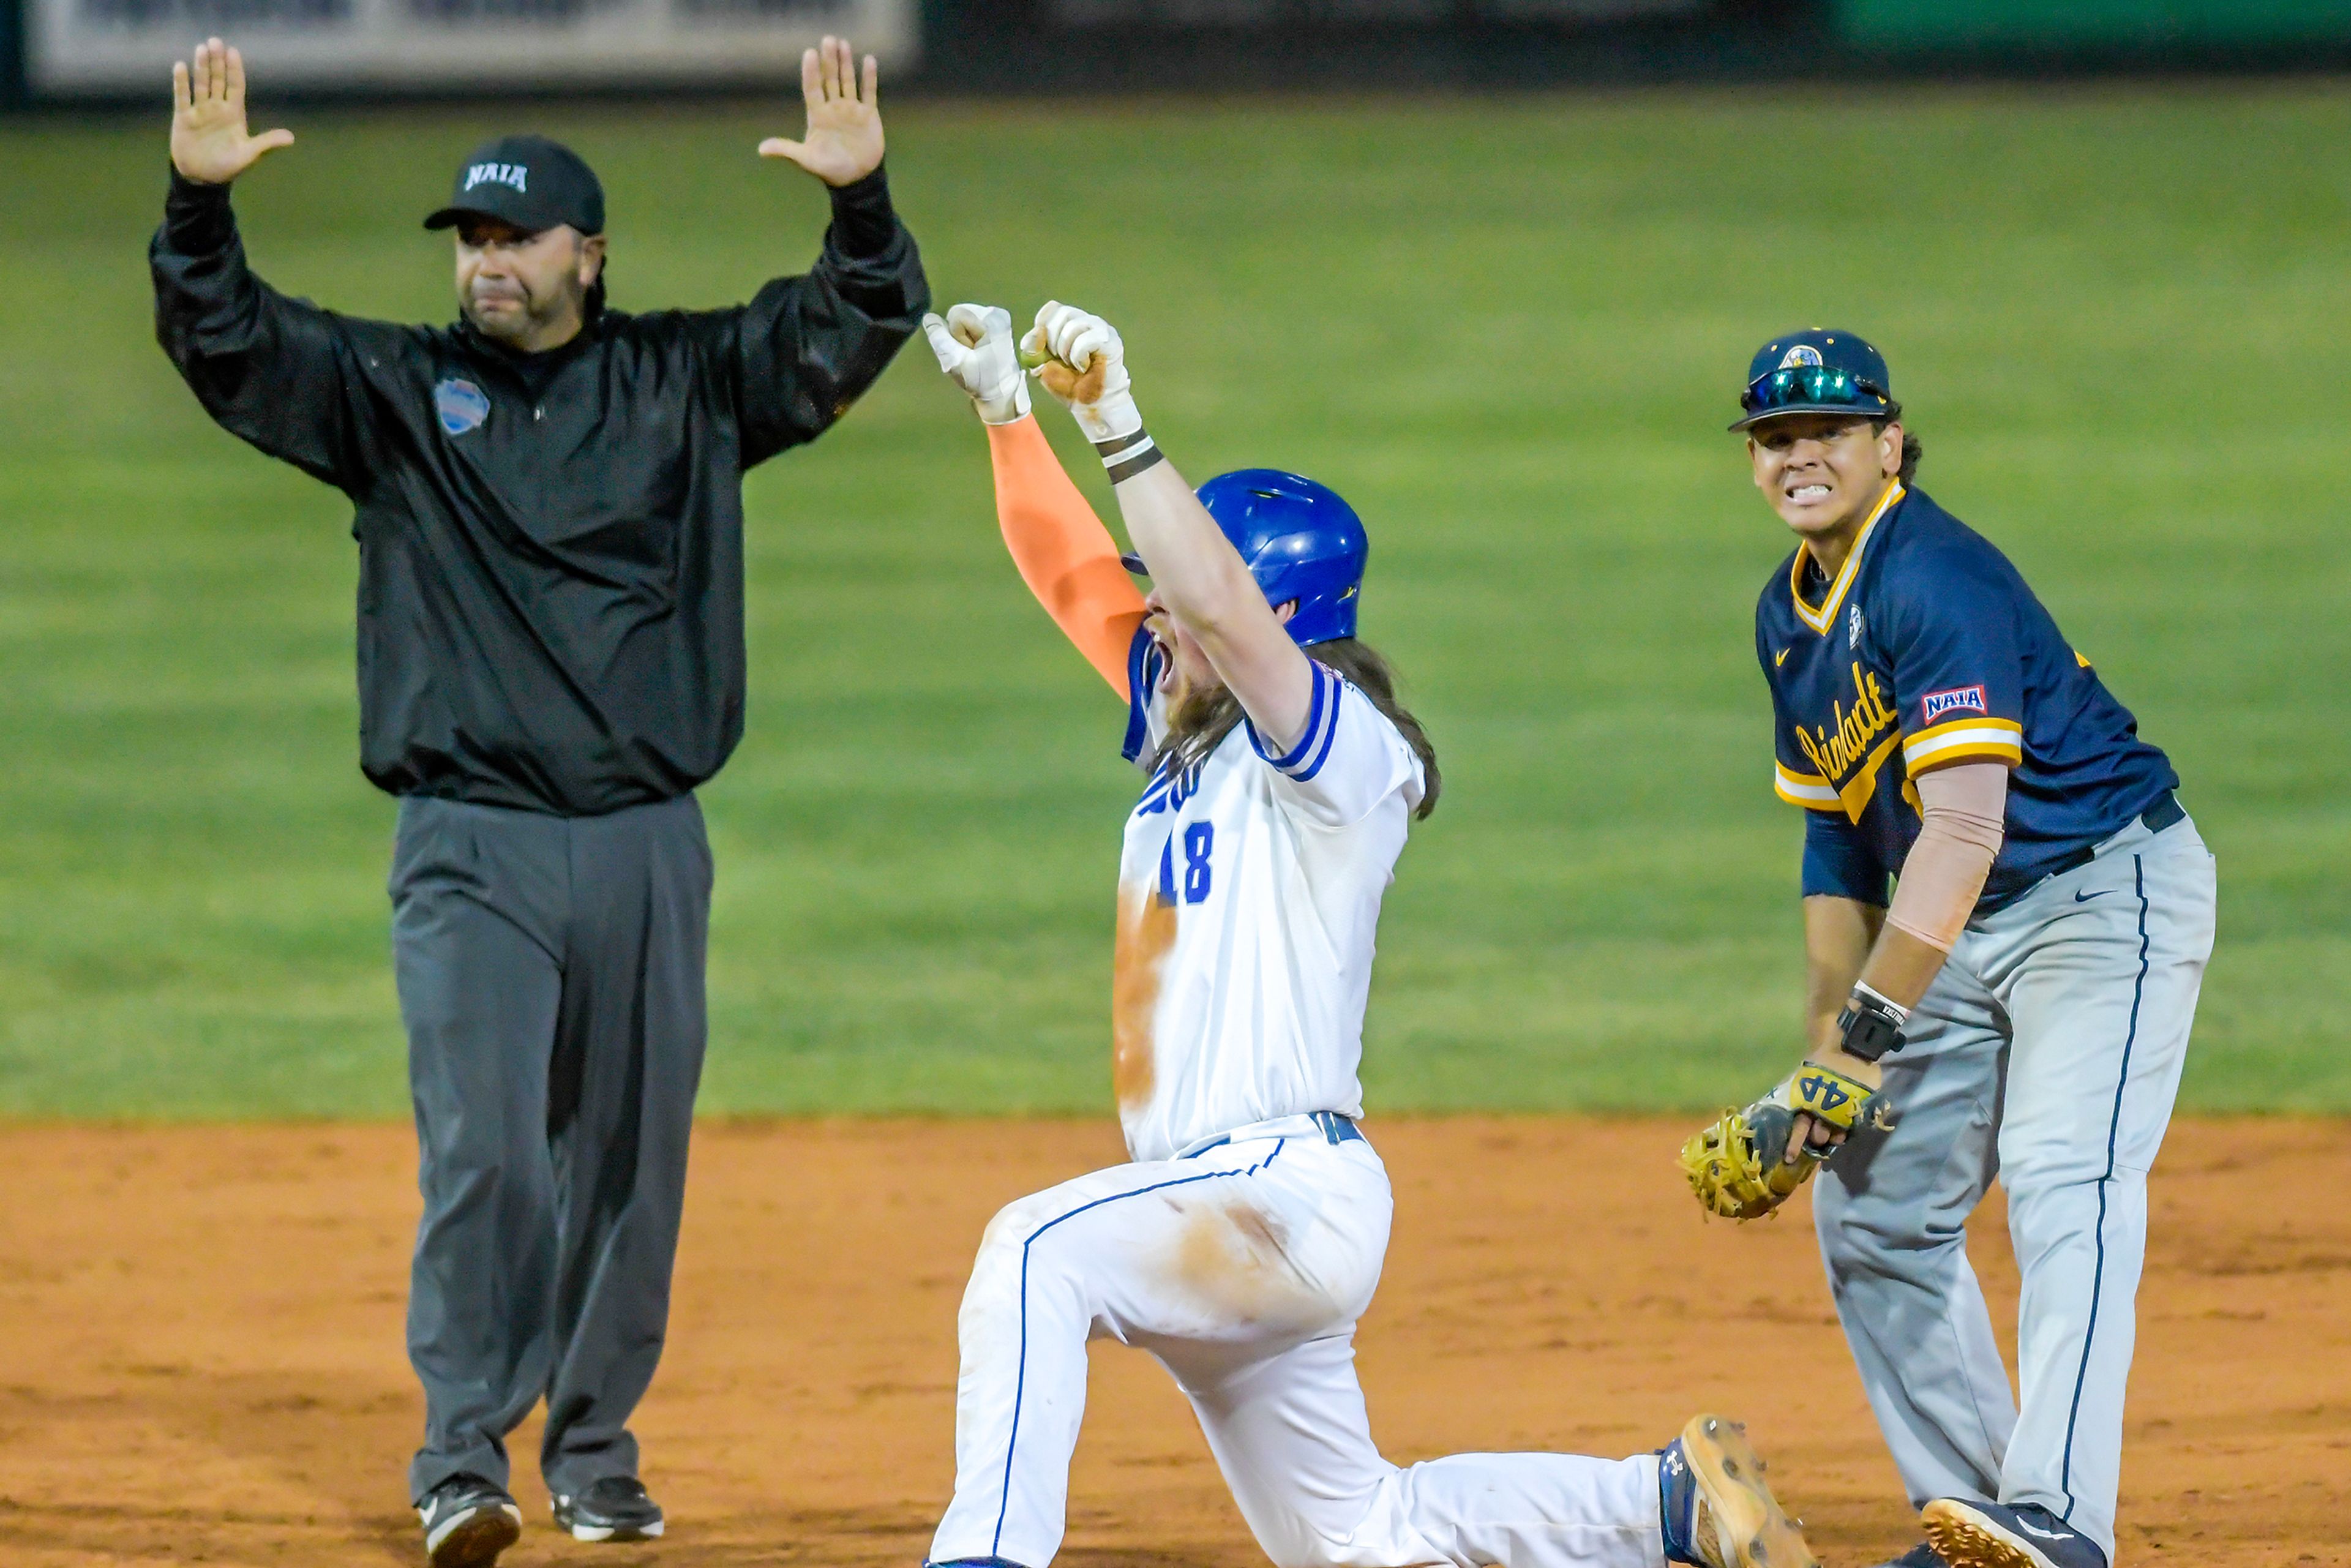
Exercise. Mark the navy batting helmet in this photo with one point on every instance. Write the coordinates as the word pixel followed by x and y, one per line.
pixel 1298 539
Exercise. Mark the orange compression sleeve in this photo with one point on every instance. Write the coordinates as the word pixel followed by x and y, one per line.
pixel 1065 555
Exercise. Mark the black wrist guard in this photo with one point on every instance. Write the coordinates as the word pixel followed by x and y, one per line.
pixel 1871 1025
pixel 1124 456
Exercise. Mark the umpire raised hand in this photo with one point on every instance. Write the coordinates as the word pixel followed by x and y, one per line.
pixel 548 508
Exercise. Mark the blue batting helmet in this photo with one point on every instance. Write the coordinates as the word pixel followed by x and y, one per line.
pixel 1298 539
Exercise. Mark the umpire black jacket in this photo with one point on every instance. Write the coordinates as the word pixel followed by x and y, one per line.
pixel 550 594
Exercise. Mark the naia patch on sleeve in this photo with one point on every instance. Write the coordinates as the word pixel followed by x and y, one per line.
pixel 1959 699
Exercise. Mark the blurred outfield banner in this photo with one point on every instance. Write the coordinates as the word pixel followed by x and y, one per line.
pixel 1340 13
pixel 1928 23
pixel 107 47
pixel 1099 46
pixel 2057 24
pixel 90 50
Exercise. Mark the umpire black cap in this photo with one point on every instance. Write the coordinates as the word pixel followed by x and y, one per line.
pixel 529 182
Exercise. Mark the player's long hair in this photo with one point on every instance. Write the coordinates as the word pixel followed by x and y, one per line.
pixel 1201 721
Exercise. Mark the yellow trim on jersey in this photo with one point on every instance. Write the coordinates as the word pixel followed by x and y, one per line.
pixel 1963 741
pixel 1825 617
pixel 1809 791
pixel 1910 743
pixel 1855 794
pixel 1822 619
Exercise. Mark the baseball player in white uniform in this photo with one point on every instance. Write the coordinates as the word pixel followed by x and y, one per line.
pixel 1245 1238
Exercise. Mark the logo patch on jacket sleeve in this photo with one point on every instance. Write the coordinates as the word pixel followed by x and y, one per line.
pixel 460 404
pixel 1959 699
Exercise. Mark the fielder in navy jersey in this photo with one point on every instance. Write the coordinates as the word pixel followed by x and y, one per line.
pixel 1929 646
pixel 2020 1002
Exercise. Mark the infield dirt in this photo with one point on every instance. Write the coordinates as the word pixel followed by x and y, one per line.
pixel 201 1349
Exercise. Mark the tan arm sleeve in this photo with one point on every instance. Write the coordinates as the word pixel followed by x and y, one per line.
pixel 1064 553
pixel 1965 808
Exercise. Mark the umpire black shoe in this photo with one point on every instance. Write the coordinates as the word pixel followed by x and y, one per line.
pixel 616 1507
pixel 1991 1535
pixel 468 1523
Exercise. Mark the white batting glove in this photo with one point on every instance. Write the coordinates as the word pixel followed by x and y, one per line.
pixel 1081 361
pixel 975 348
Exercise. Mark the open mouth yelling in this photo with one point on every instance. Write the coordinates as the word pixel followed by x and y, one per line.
pixel 1807 493
pixel 1163 642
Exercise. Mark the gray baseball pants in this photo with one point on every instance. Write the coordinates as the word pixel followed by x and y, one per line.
pixel 2047 1054
pixel 550 974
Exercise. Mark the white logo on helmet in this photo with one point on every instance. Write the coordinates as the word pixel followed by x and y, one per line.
pixel 1802 354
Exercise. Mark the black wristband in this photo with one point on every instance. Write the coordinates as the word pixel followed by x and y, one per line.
pixel 1870 1026
pixel 1124 456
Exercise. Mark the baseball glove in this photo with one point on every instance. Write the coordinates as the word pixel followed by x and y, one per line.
pixel 1735 1164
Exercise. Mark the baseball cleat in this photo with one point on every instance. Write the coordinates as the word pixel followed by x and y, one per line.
pixel 1718 1512
pixel 1991 1535
pixel 468 1523
pixel 616 1507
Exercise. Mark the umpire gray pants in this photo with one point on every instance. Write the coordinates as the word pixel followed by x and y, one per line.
pixel 550 972
pixel 2046 1054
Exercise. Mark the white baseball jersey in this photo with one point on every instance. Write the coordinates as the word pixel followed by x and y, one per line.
pixel 1248 902
pixel 1250 894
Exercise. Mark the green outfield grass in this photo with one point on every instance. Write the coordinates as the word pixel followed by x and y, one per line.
pixel 1510 333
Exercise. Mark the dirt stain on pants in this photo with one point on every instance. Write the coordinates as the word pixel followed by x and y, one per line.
pixel 1234 1258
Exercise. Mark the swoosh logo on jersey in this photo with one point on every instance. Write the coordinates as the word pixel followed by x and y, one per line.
pixel 2086 897
pixel 1779 658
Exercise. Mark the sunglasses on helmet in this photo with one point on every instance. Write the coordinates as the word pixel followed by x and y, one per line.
pixel 1811 386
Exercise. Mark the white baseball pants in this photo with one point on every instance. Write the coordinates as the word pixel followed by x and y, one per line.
pixel 1243 1269
pixel 2046 1054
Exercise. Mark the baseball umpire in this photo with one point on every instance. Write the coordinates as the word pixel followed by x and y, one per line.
pixel 548 510
pixel 2022 1003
